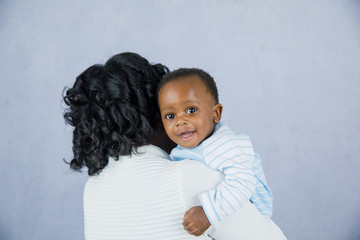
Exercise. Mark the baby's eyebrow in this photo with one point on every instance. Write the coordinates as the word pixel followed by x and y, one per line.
pixel 189 102
pixel 165 109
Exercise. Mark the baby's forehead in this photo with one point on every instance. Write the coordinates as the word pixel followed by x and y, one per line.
pixel 186 83
pixel 195 79
pixel 196 82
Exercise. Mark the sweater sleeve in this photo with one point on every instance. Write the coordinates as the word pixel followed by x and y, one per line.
pixel 231 155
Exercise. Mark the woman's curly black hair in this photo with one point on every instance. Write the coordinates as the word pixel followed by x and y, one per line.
pixel 113 109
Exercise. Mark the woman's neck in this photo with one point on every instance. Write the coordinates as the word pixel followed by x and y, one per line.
pixel 161 139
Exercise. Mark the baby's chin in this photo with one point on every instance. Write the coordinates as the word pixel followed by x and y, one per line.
pixel 188 145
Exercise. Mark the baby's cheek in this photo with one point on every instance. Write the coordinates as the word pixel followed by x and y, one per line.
pixel 173 138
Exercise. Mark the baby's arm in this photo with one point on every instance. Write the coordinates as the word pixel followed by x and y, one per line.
pixel 195 221
pixel 234 191
pixel 232 157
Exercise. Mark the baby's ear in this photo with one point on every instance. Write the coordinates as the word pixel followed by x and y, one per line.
pixel 217 110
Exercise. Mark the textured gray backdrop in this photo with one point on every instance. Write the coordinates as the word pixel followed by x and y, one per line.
pixel 288 73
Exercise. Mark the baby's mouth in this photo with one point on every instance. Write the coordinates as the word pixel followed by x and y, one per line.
pixel 185 136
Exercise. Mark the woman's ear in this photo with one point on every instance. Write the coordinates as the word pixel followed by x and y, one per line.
pixel 217 110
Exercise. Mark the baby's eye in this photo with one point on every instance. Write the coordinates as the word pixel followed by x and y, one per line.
pixel 191 110
pixel 169 116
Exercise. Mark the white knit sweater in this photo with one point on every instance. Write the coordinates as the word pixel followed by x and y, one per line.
pixel 146 196
pixel 138 197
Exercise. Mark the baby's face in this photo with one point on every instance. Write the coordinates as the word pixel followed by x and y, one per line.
pixel 188 111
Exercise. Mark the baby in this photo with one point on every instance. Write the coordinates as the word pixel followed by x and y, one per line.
pixel 191 113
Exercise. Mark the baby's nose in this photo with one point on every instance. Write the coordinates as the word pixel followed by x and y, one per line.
pixel 181 121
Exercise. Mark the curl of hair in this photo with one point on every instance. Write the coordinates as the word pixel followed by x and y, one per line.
pixel 113 109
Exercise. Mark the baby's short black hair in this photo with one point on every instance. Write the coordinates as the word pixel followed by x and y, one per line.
pixel 205 77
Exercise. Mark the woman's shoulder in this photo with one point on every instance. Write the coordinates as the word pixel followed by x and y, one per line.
pixel 141 158
pixel 142 192
pixel 196 179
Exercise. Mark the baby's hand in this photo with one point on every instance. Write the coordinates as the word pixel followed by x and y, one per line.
pixel 195 221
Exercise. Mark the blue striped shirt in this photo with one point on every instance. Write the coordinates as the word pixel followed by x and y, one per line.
pixel 233 155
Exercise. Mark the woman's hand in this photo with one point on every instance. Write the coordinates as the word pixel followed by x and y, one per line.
pixel 195 221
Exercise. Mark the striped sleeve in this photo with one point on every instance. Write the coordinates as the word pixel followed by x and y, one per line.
pixel 232 155
pixel 262 198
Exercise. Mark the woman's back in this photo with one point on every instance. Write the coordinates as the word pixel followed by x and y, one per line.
pixel 113 109
pixel 139 197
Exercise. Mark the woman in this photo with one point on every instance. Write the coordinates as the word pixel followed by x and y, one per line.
pixel 135 191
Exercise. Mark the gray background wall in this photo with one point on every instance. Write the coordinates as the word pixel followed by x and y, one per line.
pixel 288 73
